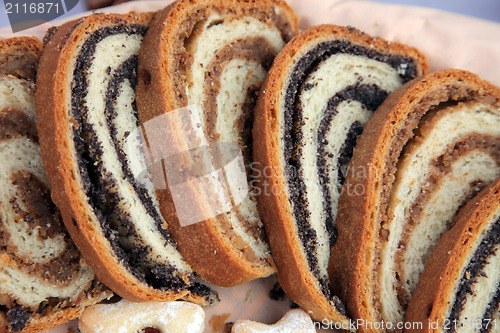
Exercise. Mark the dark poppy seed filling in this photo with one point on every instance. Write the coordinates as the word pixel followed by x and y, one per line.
pixel 17 317
pixel 481 271
pixel 331 93
pixel 358 92
pixel 103 106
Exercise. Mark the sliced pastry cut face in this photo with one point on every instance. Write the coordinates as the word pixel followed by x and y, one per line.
pixel 445 171
pixel 91 104
pixel 296 320
pixel 321 91
pixel 437 147
pixel 44 280
pixel 460 283
pixel 214 56
pixel 132 317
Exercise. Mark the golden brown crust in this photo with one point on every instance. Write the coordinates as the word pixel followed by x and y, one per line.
pixel 435 289
pixel 276 212
pixel 57 152
pixel 161 89
pixel 19 56
pixel 376 153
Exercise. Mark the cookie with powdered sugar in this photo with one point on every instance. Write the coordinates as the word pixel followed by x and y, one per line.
pixel 87 114
pixel 132 317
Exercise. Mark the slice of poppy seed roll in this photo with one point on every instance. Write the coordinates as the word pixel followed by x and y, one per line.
pixel 213 56
pixel 86 110
pixel 43 278
pixel 430 148
pixel 322 89
pixel 459 289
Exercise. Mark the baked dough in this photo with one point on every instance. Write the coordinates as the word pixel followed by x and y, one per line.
pixel 320 92
pixel 86 109
pixel 44 280
pixel 132 317
pixel 430 147
pixel 211 57
pixel 459 288
pixel 294 321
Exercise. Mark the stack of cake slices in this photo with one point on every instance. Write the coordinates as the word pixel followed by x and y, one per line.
pixel 43 279
pixel 87 111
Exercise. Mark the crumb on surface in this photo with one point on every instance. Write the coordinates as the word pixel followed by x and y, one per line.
pixel 218 322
